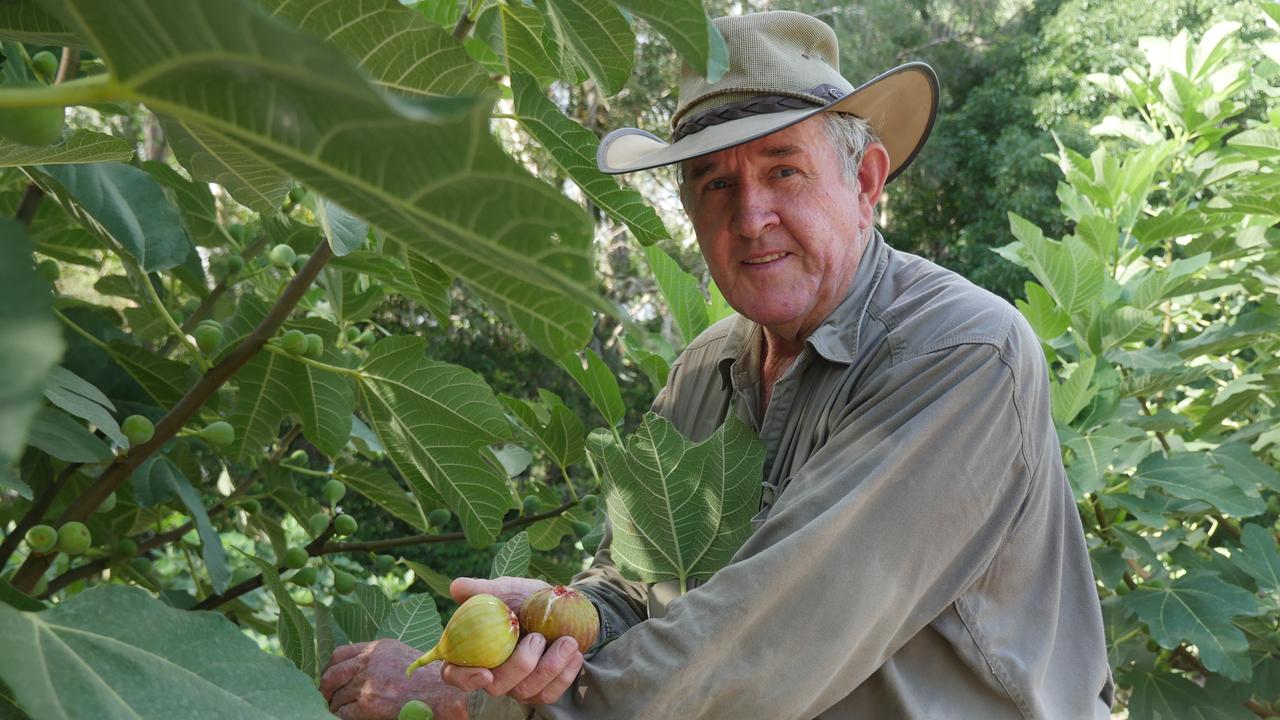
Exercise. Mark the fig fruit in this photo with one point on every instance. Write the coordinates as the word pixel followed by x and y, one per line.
pixel 219 432
pixel 315 346
pixel 590 503
pixel 74 538
pixel 344 525
pixel 304 577
pixel 334 491
pixel 251 506
pixel 236 231
pixel 49 270
pixel 282 256
pixel 580 529
pixel 235 265
pixel 294 342
pixel 32 126
pixel 384 563
pixel 415 710
pixel 344 582
pixel 482 633
pixel 301 262
pixel 318 523
pixel 558 611
pixel 208 335
pixel 137 429
pixel 125 548
pixel 439 517
pixel 41 539
pixel 45 64
pixel 296 558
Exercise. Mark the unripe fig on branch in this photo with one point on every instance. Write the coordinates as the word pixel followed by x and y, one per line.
pixel 482 633
pixel 74 538
pixel 137 429
pixel 41 539
pixel 558 611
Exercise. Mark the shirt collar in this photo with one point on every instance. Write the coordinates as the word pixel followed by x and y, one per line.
pixel 836 339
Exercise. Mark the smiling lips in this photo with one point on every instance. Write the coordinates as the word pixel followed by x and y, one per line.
pixel 761 260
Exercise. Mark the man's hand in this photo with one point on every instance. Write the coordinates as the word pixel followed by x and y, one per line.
pixel 365 681
pixel 535 673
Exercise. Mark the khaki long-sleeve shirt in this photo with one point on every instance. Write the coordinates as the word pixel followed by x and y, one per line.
pixel 918 553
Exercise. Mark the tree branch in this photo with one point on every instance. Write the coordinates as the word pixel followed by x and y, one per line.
pixel 119 471
pixel 425 538
pixel 35 513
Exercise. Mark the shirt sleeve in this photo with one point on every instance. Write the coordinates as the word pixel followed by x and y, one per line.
pixel 885 526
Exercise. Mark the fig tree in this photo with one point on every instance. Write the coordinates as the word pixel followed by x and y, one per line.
pixel 235 265
pixel 439 517
pixel 282 256
pixel 482 633
pixel 334 491
pixel 251 506
pixel 219 432
pixel 590 503
pixel 531 505
pixel 296 558
pixel 45 64
pixel 137 429
pixel 415 710
pixel 344 525
pixel 49 270
pixel 208 335
pixel 41 539
pixel 74 538
pixel 344 582
pixel 32 126
pixel 294 342
pixel 315 346
pixel 352 333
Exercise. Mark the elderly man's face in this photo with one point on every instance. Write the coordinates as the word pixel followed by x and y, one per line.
pixel 780 226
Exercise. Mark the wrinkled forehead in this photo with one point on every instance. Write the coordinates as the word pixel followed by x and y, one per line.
pixel 804 140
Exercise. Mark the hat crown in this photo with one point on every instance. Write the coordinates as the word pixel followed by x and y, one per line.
pixel 770 53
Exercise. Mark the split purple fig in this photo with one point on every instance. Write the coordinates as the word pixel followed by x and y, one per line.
pixel 482 633
pixel 558 611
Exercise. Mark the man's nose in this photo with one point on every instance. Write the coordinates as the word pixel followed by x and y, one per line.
pixel 753 212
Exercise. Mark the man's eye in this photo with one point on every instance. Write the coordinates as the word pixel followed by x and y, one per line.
pixel 718 184
pixel 787 172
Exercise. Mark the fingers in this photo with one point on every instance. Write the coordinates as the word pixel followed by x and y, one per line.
pixel 554 673
pixel 522 663
pixel 465 678
pixel 346 696
pixel 464 587
pixel 345 652
pixel 337 676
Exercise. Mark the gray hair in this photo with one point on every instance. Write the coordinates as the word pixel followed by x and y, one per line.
pixel 849 134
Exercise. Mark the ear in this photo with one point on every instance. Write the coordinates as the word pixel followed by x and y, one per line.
pixel 872 174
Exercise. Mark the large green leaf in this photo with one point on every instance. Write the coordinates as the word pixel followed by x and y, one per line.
pixel 1192 476
pixel 116 653
pixel 686 25
pixel 679 510
pixel 129 207
pixel 599 37
pixel 58 434
pixel 297 637
pixel 595 377
pixel 528 46
pixel 394 44
pixel 250 88
pixel 216 158
pixel 1046 318
pixel 1166 696
pixel 555 427
pixel 435 419
pixel 81 146
pixel 32 346
pixel 1198 608
pixel 211 550
pixel 414 277
pixel 1259 557
pixel 25 21
pixel 512 558
pixel 1069 270
pixel 273 386
pixel 1238 462
pixel 195 201
pixel 362 615
pixel 681 291
pixel 573 148
pixel 71 393
pixel 414 622
pixel 161 378
pixel 382 489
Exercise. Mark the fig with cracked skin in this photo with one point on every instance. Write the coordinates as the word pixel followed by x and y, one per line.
pixel 558 611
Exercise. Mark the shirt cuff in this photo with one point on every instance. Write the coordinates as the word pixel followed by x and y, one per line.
pixel 482 706
pixel 612 624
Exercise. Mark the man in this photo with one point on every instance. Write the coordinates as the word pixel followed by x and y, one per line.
pixel 918 552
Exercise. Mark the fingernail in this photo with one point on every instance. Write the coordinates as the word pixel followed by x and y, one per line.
pixel 537 642
pixel 568 648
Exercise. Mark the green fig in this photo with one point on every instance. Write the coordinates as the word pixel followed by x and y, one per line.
pixel 344 525
pixel 439 517
pixel 294 342
pixel 532 505
pixel 590 503
pixel 334 491
pixel 45 64
pixel 482 633
pixel 415 710
pixel 208 335
pixel 236 231
pixel 304 576
pixel 580 529
pixel 137 429
pixel 315 346
pixel 282 256
pixel 41 539
pixel 318 523
pixel 384 563
pixel 125 548
pixel 74 538
pixel 36 126
pixel 344 583
pixel 301 262
pixel 558 611
pixel 234 265
pixel 219 432
pixel 49 270
pixel 251 506
pixel 296 558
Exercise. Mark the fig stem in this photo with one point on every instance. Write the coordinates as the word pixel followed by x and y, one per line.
pixel 431 656
pixel 86 90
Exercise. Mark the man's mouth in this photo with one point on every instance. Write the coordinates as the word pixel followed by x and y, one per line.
pixel 765 258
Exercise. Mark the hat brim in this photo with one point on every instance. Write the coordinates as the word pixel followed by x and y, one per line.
pixel 899 105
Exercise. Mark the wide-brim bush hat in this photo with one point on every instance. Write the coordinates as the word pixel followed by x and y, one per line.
pixel 784 67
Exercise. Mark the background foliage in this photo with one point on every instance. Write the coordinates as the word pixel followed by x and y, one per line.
pixel 483 297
